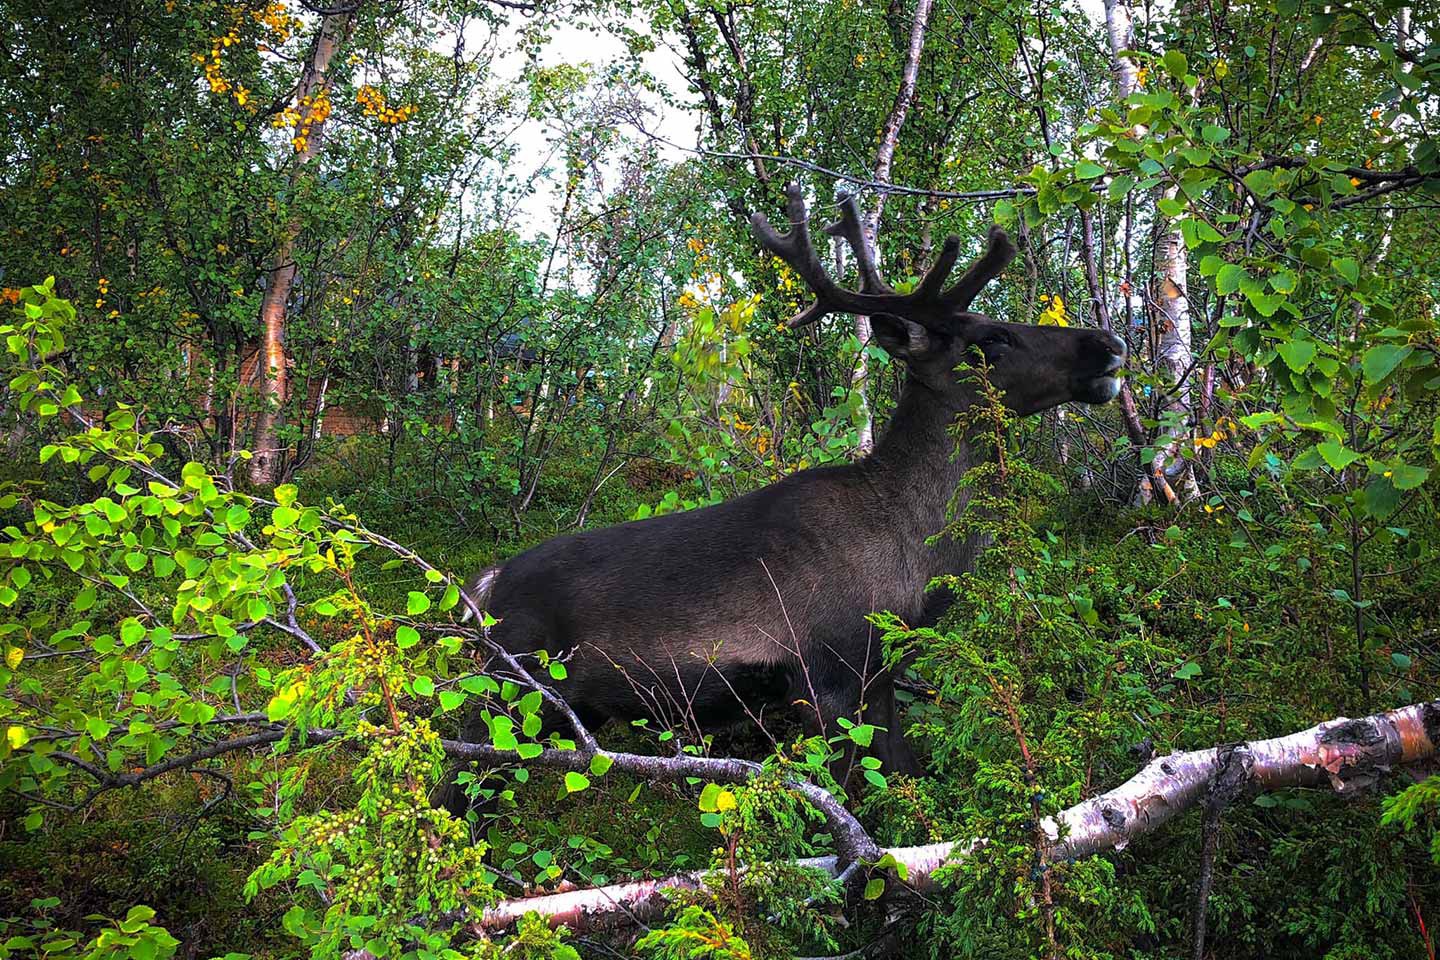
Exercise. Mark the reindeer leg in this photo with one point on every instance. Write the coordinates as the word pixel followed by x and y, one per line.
pixel 894 753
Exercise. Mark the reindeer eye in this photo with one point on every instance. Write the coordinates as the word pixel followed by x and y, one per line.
pixel 992 340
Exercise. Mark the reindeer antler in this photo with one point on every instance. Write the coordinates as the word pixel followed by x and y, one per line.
pixel 929 305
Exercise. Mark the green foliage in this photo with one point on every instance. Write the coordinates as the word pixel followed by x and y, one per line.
pixel 389 867
pixel 201 682
pixel 133 938
pixel 696 934
pixel 1415 809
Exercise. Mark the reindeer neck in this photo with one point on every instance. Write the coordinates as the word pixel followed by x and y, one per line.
pixel 917 464
pixel 915 471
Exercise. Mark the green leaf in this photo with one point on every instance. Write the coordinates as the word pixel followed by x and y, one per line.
pixel 1381 360
pixel 1347 268
pixel 707 797
pixel 1214 134
pixel 1088 170
pixel 1265 304
pixel 1284 281
pixel 450 598
pixel 1176 64
pixel 416 603
pixel 1260 182
pixel 97 728
pixel 575 782
pixel 1257 420
pixel 1198 156
pixel 1297 354
pixel 406 637
pixel 874 887
pixel 1336 454
pixel 1228 278
pixel 285 494
pixel 599 764
pixel 1406 477
pixel 450 699
pixel 423 686
pixel 1189 671
pixel 862 734
pixel 1120 186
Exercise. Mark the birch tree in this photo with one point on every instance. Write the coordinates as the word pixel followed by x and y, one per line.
pixel 1169 297
pixel 884 158
pixel 311 108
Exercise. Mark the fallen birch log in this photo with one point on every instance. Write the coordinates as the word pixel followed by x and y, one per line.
pixel 1343 754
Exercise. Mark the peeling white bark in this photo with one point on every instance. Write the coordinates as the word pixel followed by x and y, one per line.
pixel 1342 754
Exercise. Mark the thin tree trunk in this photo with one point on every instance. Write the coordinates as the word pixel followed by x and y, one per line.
pixel 884 158
pixel 267 464
pixel 1175 355
pixel 1169 293
pixel 1121 32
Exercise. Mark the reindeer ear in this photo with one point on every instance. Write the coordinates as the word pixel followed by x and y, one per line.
pixel 901 338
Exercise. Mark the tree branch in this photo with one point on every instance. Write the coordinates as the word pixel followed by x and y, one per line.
pixel 1343 754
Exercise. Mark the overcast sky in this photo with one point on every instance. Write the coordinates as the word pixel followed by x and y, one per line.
pixel 576 46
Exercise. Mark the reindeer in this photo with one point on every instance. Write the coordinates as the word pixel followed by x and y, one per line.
pixel 762 600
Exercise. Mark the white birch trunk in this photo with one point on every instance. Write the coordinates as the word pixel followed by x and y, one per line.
pixel 884 158
pixel 1171 299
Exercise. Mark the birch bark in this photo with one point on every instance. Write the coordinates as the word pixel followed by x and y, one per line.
pixel 267 465
pixel 884 159
pixel 1342 754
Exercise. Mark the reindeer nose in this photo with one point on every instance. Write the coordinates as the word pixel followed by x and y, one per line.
pixel 1118 350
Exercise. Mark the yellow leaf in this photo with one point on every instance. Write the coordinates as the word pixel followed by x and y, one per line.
pixel 16 737
pixel 13 656
pixel 725 801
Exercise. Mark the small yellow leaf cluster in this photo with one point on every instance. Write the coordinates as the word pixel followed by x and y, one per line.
pixel 1141 76
pixel 104 286
pixel 277 19
pixel 1224 427
pixel 375 106
pixel 313 109
pixel 288 117
pixel 1054 313
pixel 214 69
pixel 787 276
